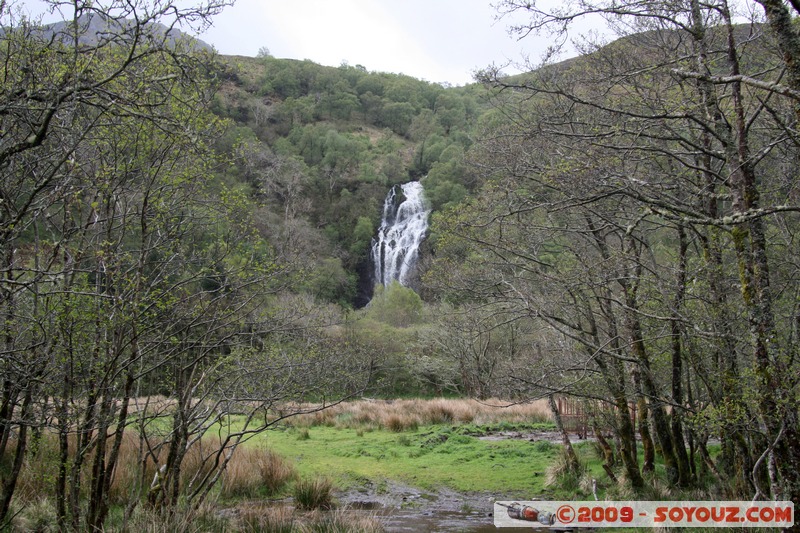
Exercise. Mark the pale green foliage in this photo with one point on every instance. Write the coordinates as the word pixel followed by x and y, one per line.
pixel 441 190
pixel 396 305
pixel 330 282
pixel 362 236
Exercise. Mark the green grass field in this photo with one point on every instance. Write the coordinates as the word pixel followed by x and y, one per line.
pixel 427 457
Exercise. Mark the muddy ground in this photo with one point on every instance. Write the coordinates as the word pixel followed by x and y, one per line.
pixel 402 508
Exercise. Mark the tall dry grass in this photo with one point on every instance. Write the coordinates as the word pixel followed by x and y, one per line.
pixel 251 471
pixel 34 515
pixel 278 519
pixel 136 466
pixel 256 472
pixel 316 493
pixel 36 480
pixel 275 519
pixel 402 415
pixel 148 519
pixel 133 472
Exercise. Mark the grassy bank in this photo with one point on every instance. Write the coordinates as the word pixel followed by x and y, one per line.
pixel 448 443
pixel 426 457
pixel 424 443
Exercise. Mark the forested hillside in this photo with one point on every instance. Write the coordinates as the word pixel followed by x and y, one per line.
pixel 318 149
pixel 184 249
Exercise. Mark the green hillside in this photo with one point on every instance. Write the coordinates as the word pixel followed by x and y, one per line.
pixel 319 147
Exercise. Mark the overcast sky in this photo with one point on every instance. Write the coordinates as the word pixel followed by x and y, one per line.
pixel 434 40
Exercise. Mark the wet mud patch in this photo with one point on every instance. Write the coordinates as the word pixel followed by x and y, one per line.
pixel 402 508
pixel 553 437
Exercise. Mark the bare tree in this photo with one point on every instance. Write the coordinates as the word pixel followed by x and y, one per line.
pixel 124 275
pixel 622 181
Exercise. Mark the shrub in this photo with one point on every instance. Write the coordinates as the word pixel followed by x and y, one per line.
pixel 396 305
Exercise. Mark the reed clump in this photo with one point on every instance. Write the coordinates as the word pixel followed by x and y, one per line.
pixel 256 471
pixel 315 493
pixel 251 471
pixel 283 519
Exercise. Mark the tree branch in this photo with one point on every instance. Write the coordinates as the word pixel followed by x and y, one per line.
pixel 747 80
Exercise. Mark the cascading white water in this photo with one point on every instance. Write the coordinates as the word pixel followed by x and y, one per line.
pixel 403 228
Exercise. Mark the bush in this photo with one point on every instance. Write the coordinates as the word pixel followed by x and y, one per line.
pixel 395 305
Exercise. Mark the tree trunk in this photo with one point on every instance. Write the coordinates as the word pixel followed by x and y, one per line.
pixel 660 423
pixel 573 464
pixel 10 481
pixel 778 404
pixel 676 421
pixel 780 22
pixel 642 417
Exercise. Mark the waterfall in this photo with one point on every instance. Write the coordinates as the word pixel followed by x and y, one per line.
pixel 403 228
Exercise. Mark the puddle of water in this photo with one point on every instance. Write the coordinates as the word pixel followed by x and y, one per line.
pixel 401 508
pixel 415 515
pixel 440 521
pixel 449 522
